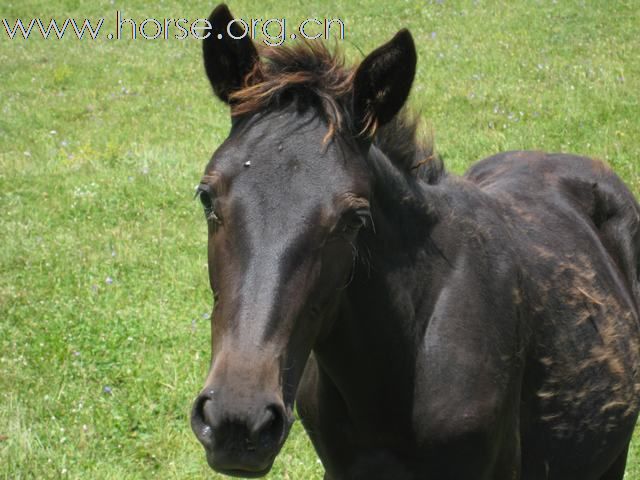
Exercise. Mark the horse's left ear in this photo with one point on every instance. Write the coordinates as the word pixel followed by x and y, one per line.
pixel 229 54
pixel 383 81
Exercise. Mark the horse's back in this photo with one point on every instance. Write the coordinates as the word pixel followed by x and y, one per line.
pixel 576 230
pixel 543 184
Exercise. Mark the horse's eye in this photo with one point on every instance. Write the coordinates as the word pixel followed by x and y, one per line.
pixel 355 220
pixel 208 203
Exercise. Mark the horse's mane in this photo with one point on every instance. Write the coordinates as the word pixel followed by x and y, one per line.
pixel 309 72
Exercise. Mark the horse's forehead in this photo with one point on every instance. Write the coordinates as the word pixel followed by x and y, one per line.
pixel 267 129
pixel 285 155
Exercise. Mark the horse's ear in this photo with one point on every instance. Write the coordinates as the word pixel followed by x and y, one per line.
pixel 227 60
pixel 383 81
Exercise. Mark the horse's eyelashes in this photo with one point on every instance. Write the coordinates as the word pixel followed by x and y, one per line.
pixel 208 203
pixel 355 220
pixel 205 198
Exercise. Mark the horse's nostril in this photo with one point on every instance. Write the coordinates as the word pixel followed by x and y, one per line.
pixel 202 420
pixel 207 413
pixel 269 428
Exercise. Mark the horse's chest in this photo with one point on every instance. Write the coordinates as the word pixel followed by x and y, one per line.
pixel 379 463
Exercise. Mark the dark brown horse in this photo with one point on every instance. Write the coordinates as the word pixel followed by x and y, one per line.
pixel 428 326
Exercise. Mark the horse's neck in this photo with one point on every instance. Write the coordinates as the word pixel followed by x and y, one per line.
pixel 375 333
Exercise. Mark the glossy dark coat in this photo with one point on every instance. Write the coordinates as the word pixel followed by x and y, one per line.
pixel 429 326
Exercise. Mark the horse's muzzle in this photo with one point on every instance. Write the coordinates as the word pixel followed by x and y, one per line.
pixel 240 438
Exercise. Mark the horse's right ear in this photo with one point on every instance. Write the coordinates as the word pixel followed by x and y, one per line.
pixel 227 60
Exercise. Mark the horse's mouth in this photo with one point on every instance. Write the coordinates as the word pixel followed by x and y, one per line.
pixel 242 472
pixel 244 466
pixel 245 473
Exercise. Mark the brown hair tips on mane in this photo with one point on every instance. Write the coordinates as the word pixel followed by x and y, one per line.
pixel 310 67
pixel 307 66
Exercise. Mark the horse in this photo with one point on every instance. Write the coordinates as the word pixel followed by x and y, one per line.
pixel 425 325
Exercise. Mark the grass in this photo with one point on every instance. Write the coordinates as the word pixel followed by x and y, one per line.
pixel 103 285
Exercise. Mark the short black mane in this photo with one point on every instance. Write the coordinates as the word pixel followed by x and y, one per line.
pixel 308 71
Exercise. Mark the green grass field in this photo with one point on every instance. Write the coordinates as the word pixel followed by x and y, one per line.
pixel 104 340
